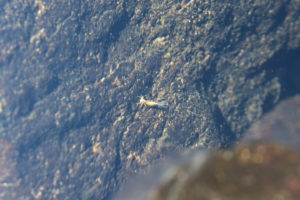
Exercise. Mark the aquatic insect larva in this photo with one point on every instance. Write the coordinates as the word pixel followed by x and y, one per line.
pixel 158 104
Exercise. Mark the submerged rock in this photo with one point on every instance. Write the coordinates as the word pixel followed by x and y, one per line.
pixel 72 73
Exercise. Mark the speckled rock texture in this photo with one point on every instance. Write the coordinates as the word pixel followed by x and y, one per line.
pixel 72 73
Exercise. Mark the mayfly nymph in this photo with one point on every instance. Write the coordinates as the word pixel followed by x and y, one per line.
pixel 158 104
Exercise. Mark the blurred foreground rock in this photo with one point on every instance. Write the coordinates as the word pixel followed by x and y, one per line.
pixel 282 125
pixel 266 165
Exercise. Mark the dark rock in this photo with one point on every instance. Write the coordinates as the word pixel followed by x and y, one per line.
pixel 72 72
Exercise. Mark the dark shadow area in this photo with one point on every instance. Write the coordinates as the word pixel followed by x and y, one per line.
pixel 285 65
pixel 228 137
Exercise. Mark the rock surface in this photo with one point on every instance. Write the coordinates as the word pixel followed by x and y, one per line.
pixel 72 72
